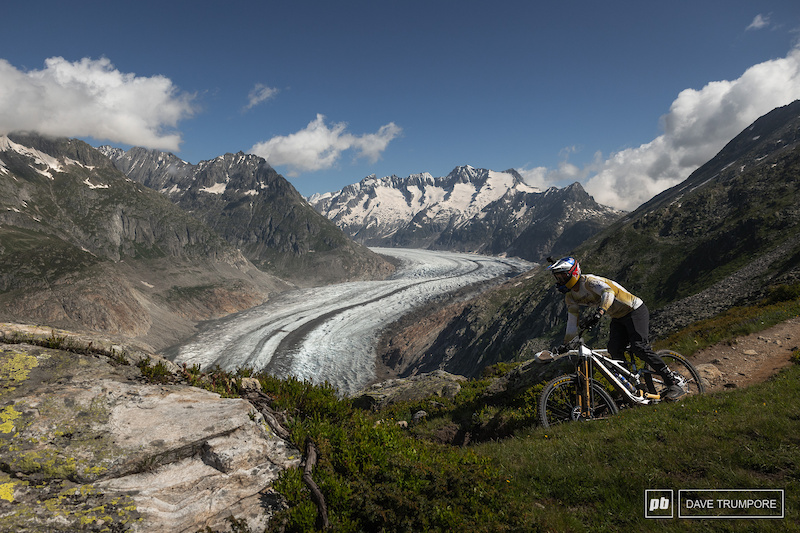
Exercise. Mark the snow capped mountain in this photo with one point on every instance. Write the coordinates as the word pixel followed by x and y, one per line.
pixel 376 209
pixel 475 210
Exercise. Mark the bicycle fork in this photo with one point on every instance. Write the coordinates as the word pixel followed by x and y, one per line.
pixel 584 392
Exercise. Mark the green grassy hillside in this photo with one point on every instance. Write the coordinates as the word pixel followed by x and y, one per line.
pixel 578 477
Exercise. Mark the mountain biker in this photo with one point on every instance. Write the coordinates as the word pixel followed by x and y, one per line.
pixel 630 317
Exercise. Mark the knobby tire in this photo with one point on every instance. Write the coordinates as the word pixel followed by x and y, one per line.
pixel 560 399
pixel 678 363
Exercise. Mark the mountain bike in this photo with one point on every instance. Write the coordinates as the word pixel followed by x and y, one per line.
pixel 584 394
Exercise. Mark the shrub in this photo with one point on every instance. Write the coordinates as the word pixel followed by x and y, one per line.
pixel 158 373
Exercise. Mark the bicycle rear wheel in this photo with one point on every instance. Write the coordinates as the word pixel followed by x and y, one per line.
pixel 677 363
pixel 559 402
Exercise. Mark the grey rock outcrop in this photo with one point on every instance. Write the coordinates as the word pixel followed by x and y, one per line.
pixel 414 388
pixel 528 374
pixel 86 444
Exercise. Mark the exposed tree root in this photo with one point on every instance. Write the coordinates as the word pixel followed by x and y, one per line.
pixel 316 494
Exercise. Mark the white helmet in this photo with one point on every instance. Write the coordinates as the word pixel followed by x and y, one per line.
pixel 567 271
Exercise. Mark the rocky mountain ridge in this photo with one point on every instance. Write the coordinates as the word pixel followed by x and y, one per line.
pixel 256 210
pixel 84 247
pixel 469 210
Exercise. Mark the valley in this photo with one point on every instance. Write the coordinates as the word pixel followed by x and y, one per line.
pixel 330 333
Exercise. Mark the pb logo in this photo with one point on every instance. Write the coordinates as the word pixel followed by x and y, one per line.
pixel 658 503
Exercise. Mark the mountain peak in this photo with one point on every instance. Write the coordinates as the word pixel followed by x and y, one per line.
pixel 422 211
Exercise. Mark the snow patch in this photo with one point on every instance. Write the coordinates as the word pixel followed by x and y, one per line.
pixel 39 158
pixel 93 186
pixel 217 188
pixel 389 203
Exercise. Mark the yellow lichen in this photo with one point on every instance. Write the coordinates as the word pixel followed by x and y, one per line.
pixel 14 368
pixel 94 470
pixel 17 367
pixel 48 462
pixel 7 491
pixel 8 415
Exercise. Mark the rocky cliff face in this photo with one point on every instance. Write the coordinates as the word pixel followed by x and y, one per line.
pixel 86 445
pixel 67 189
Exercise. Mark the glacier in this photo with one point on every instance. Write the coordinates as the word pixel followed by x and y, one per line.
pixel 329 334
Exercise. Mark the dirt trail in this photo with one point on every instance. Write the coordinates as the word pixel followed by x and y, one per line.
pixel 751 359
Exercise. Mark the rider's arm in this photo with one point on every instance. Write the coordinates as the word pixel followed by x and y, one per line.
pixel 573 310
pixel 614 299
pixel 606 299
pixel 602 289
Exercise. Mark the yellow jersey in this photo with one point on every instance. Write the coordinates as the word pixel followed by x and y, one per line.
pixel 608 295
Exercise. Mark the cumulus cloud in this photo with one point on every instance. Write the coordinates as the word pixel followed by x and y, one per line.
pixel 698 125
pixel 260 93
pixel 319 146
pixel 90 98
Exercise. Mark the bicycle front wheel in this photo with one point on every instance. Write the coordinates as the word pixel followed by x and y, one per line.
pixel 559 402
pixel 691 382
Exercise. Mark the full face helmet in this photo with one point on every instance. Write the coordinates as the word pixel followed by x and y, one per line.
pixel 567 271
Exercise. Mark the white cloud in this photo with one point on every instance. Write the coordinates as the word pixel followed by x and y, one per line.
pixel 759 22
pixel 536 176
pixel 319 146
pixel 90 98
pixel 260 93
pixel 565 173
pixel 699 124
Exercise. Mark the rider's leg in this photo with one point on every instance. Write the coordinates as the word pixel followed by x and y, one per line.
pixel 617 339
pixel 634 328
pixel 640 345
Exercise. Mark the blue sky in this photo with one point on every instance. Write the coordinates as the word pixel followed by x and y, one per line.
pixel 627 97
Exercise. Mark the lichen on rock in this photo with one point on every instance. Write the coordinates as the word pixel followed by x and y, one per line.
pixel 87 444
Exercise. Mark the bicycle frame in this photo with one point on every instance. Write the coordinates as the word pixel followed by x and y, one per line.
pixel 591 361
pixel 583 395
